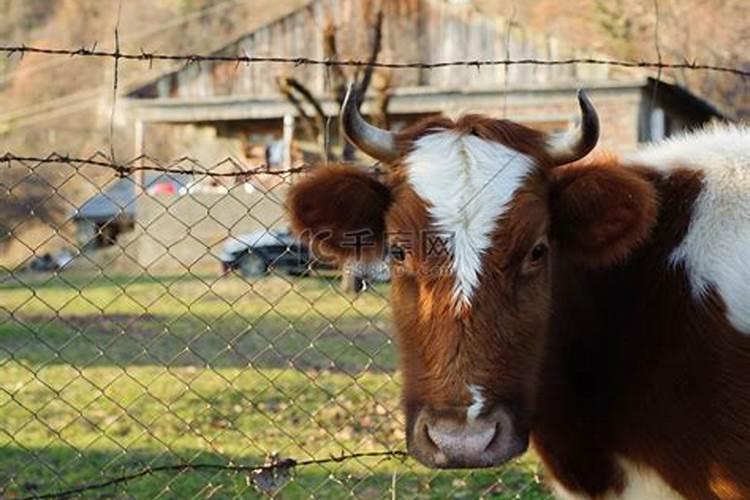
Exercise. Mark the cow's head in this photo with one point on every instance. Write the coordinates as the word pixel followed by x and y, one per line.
pixel 471 212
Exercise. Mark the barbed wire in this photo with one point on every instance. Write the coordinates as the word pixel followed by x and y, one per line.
pixel 284 466
pixel 150 57
pixel 137 164
pixel 264 477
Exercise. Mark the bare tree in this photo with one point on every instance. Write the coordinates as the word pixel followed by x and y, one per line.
pixel 315 124
pixel 298 94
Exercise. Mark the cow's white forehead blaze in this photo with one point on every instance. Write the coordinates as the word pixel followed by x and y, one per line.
pixel 468 184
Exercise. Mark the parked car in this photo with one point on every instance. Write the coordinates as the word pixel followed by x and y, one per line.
pixel 254 254
pixel 52 261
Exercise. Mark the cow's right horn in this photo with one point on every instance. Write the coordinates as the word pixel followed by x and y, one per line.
pixel 378 143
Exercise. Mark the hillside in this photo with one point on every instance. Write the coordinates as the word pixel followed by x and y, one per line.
pixel 710 32
pixel 53 103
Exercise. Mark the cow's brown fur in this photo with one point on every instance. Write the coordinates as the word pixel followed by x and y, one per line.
pixel 600 351
pixel 635 366
pixel 582 192
pixel 355 201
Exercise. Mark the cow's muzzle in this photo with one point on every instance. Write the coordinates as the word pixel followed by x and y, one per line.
pixel 448 439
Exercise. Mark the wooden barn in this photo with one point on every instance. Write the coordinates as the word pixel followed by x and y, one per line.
pixel 280 114
pixel 219 108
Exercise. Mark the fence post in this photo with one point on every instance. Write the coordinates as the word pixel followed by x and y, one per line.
pixel 288 138
pixel 138 176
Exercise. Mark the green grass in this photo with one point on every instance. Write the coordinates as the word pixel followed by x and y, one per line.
pixel 101 376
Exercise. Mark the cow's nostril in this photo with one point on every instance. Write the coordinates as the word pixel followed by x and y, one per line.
pixel 495 437
pixel 428 437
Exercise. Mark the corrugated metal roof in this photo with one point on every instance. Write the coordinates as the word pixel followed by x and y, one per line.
pixel 118 199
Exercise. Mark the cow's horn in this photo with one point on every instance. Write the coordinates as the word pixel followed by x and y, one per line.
pixel 378 143
pixel 576 143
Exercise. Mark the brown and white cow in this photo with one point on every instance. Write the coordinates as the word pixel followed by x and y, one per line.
pixel 599 309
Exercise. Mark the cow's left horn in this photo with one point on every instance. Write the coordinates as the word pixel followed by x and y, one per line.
pixel 378 143
pixel 576 143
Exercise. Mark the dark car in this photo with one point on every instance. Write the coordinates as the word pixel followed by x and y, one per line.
pixel 254 254
pixel 52 261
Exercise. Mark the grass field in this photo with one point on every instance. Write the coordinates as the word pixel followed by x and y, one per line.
pixel 104 375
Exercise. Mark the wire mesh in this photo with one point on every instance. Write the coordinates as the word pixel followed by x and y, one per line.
pixel 152 345
pixel 137 333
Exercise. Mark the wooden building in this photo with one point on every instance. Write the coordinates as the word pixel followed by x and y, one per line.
pixel 220 109
pixel 221 100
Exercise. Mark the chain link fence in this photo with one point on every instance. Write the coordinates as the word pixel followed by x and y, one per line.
pixel 165 340
pixel 162 335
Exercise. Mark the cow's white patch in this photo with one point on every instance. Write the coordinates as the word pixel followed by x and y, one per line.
pixel 716 249
pixel 477 403
pixel 640 483
pixel 468 183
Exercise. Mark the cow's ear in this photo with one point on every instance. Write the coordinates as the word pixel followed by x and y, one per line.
pixel 340 210
pixel 600 211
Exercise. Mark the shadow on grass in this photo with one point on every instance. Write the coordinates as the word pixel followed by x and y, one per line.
pixel 56 469
pixel 349 346
pixel 269 323
pixel 49 280
pixel 46 281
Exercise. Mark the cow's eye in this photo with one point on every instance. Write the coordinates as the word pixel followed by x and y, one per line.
pixel 397 253
pixel 538 253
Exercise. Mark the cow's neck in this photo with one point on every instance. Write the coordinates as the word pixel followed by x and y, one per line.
pixel 628 346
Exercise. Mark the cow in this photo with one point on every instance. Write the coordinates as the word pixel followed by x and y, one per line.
pixel 594 307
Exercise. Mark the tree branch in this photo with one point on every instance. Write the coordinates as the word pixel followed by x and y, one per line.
pixel 382 86
pixel 330 50
pixel 310 125
pixel 377 45
pixel 319 118
pixel 349 152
